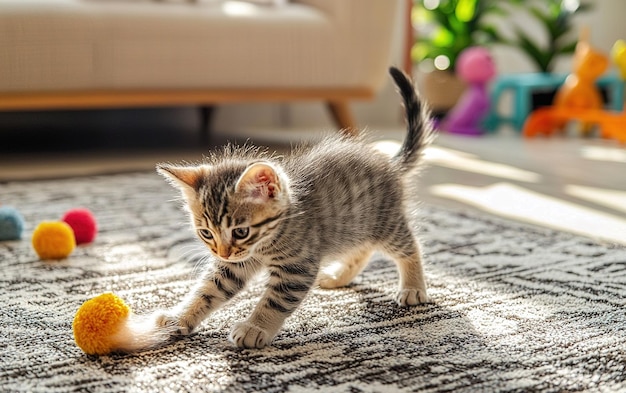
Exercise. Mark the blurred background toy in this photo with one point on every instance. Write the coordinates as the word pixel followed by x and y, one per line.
pixel 618 54
pixel 580 100
pixel 580 90
pixel 53 240
pixel 11 223
pixel 83 223
pixel 476 67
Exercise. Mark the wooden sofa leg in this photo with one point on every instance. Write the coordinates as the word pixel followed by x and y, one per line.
pixel 206 115
pixel 342 116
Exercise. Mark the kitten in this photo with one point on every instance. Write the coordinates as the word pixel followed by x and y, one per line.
pixel 339 200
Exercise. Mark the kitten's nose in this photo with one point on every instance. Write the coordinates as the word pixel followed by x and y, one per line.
pixel 223 251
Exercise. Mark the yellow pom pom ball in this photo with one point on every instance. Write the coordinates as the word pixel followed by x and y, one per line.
pixel 97 321
pixel 53 240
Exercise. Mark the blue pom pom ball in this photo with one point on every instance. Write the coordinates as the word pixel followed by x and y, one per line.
pixel 11 224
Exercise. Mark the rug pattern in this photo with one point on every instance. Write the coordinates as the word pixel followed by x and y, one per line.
pixel 517 308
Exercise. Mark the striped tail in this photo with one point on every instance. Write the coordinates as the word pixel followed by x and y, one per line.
pixel 419 127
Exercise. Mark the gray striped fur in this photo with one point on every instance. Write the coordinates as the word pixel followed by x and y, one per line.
pixel 338 200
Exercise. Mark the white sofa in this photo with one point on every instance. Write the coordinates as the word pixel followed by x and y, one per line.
pixel 73 54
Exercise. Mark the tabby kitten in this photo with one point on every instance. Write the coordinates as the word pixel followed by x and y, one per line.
pixel 337 201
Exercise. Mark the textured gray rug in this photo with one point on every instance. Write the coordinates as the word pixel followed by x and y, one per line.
pixel 517 308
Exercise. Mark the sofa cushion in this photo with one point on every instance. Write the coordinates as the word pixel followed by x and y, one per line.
pixel 48 45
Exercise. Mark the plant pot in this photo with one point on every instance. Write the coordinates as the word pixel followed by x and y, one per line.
pixel 441 89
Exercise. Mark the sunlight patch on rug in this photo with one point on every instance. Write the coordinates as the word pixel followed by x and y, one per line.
pixel 509 200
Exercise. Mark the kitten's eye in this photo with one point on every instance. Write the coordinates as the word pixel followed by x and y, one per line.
pixel 205 234
pixel 241 233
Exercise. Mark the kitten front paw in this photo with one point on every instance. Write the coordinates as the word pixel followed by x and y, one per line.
pixel 169 321
pixel 333 276
pixel 247 335
pixel 412 297
pixel 329 282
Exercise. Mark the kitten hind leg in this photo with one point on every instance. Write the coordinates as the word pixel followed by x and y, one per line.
pixel 341 273
pixel 406 252
pixel 412 289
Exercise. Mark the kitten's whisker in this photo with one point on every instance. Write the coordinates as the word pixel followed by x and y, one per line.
pixel 198 254
pixel 190 250
pixel 203 263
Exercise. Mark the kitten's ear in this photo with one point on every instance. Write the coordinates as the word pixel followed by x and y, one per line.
pixel 261 182
pixel 185 177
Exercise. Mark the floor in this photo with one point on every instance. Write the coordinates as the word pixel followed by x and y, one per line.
pixel 572 184
pixel 569 183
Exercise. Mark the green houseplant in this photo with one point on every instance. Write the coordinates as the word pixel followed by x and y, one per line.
pixel 445 29
pixel 556 18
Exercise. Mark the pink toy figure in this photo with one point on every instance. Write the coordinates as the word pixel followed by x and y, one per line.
pixel 476 67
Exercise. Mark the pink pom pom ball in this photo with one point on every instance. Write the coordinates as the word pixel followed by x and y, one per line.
pixel 83 223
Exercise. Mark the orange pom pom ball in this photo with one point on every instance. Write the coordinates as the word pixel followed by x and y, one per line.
pixel 97 321
pixel 53 240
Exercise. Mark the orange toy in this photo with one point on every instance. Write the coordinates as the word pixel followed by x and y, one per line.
pixel 579 99
pixel 549 119
pixel 579 90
